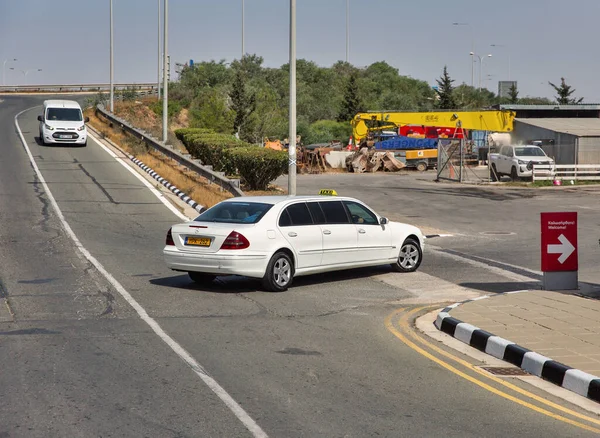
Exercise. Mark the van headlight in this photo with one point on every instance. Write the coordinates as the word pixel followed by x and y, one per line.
pixel 48 127
pixel 81 128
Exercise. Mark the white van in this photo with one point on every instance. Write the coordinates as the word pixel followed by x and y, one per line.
pixel 63 122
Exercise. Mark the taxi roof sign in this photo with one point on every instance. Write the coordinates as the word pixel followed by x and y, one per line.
pixel 328 192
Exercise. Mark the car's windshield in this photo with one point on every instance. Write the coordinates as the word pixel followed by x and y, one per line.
pixel 529 152
pixel 235 212
pixel 64 114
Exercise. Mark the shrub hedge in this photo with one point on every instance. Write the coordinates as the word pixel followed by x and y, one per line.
pixel 256 166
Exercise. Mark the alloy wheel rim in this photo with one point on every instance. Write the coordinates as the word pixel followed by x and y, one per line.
pixel 282 272
pixel 409 256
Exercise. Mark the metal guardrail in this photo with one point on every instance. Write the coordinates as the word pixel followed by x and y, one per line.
pixel 76 87
pixel 575 172
pixel 232 186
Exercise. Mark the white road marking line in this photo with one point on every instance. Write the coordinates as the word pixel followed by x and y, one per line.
pixel 237 410
pixel 493 269
pixel 157 193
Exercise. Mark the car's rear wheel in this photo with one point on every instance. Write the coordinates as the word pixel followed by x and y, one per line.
pixel 201 277
pixel 421 166
pixel 279 274
pixel 513 174
pixel 410 256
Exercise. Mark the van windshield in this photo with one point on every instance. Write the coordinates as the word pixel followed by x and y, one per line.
pixel 64 114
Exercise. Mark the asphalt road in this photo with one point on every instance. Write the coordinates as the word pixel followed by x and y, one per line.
pixel 318 360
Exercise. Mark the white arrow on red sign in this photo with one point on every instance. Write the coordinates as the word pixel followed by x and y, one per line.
pixel 565 249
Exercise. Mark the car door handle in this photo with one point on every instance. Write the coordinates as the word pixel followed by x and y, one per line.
pixel 361 231
pixel 326 232
pixel 292 234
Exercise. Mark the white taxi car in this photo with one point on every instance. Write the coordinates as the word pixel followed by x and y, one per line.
pixel 277 238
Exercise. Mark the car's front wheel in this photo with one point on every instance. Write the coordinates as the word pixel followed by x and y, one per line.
pixel 410 256
pixel 279 274
pixel 201 277
pixel 513 174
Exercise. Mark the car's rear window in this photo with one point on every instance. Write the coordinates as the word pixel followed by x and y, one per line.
pixel 235 212
pixel 64 114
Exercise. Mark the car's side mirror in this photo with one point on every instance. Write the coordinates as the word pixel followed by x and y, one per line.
pixel 86 120
pixel 383 220
pixel 40 118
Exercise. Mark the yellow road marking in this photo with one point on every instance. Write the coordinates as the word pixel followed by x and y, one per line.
pixel 409 343
pixel 406 327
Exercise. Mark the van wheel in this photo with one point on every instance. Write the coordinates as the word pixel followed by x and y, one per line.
pixel 201 277
pixel 279 274
pixel 410 256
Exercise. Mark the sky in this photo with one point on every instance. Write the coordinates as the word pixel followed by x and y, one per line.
pixel 537 41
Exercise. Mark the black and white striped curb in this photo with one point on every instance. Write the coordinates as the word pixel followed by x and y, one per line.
pixel 185 198
pixel 534 363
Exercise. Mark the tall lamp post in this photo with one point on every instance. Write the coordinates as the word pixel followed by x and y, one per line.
pixel 26 72
pixel 347 31
pixel 292 112
pixel 472 51
pixel 4 69
pixel 480 64
pixel 165 72
pixel 159 52
pixel 243 35
pixel 112 85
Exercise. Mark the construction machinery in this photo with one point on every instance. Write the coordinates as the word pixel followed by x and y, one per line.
pixel 487 120
pixel 406 127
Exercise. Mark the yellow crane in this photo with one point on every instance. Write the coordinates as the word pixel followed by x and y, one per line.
pixel 488 120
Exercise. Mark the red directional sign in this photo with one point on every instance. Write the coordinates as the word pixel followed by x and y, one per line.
pixel 559 242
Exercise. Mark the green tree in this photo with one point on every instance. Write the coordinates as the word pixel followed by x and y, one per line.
pixel 532 100
pixel 444 91
pixel 210 111
pixel 564 92
pixel 242 102
pixel 513 93
pixel 352 103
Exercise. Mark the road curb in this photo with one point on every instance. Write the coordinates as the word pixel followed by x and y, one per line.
pixel 580 382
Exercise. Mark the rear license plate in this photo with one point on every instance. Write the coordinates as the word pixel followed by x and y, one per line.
pixel 197 241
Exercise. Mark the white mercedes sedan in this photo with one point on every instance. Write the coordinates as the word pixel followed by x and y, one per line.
pixel 277 238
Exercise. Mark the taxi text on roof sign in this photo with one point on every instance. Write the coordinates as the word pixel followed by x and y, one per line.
pixel 328 192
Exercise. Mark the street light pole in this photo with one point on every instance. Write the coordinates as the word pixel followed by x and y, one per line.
pixel 159 51
pixel 347 31
pixel 243 36
pixel 292 115
pixel 165 74
pixel 481 67
pixel 4 69
pixel 472 51
pixel 112 91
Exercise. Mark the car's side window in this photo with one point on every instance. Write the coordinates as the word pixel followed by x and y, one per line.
pixel 510 152
pixel 335 213
pixel 503 151
pixel 299 214
pixel 285 220
pixel 316 212
pixel 360 214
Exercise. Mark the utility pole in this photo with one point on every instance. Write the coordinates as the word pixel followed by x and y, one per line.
pixel 347 31
pixel 292 120
pixel 165 73
pixel 243 36
pixel 112 85
pixel 159 51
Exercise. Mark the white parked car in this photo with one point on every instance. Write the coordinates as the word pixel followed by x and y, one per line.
pixel 518 161
pixel 277 238
pixel 62 122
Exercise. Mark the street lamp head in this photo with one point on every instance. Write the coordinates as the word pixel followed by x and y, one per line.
pixel 471 53
pixel 489 55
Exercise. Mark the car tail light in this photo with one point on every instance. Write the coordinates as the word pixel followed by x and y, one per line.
pixel 235 241
pixel 169 238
